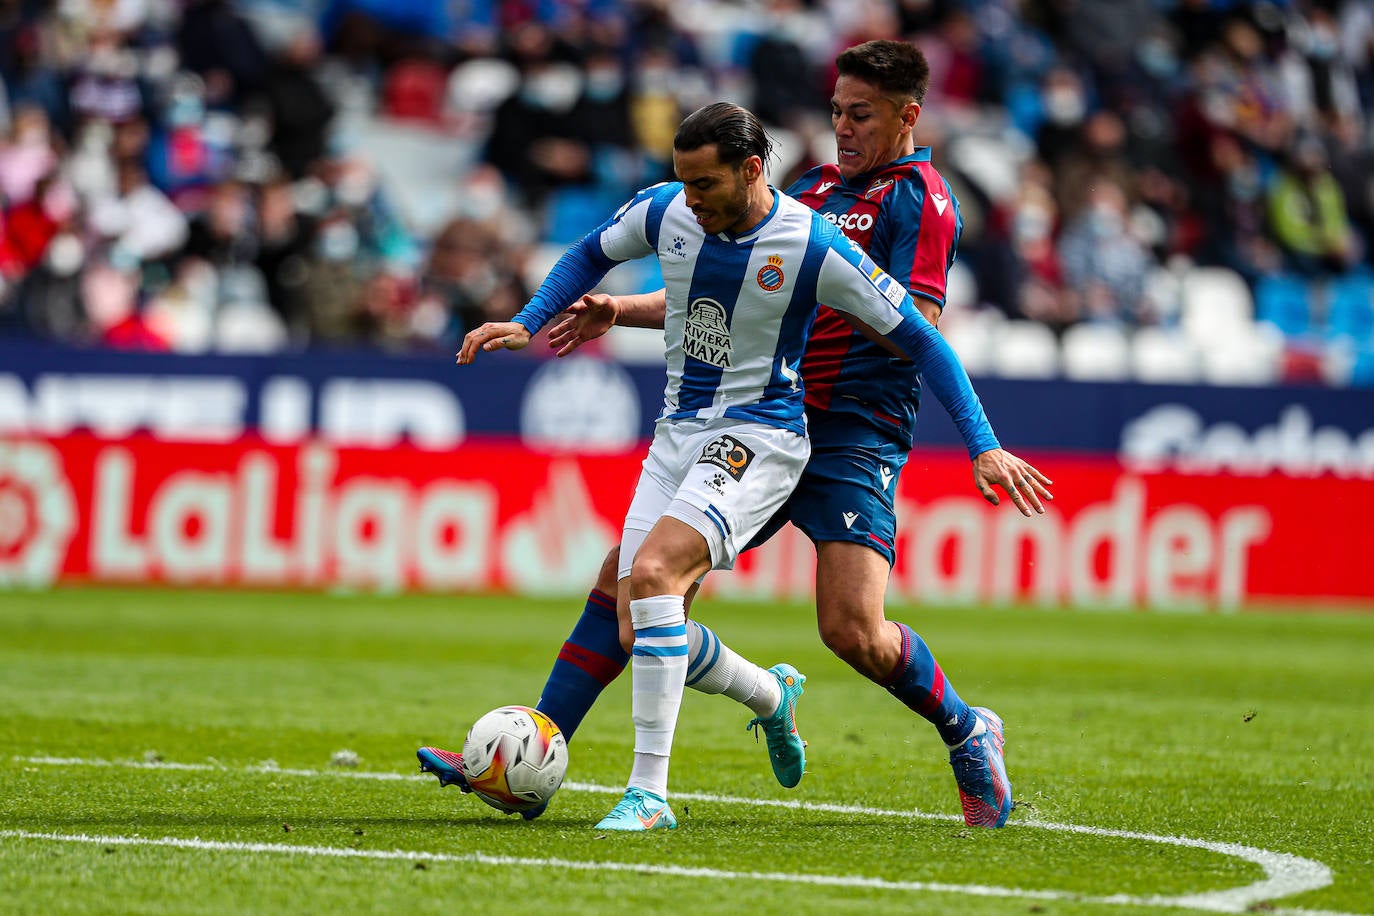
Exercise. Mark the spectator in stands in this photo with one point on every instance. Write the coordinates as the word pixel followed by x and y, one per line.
pixel 104 84
pixel 1103 263
pixel 1234 212
pixel 468 280
pixel 333 285
pixel 782 72
pixel 534 139
pixel 224 233
pixel 1095 157
pixel 299 108
pixel 28 77
pixel 284 246
pixel 138 222
pixel 1308 215
pixel 1039 293
pixel 214 41
pixel 1352 165
pixel 27 154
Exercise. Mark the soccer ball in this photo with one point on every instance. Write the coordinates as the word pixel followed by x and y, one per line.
pixel 515 758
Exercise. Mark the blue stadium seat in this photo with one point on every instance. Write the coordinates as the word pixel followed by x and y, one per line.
pixel 573 211
pixel 1284 301
pixel 1351 307
pixel 1362 373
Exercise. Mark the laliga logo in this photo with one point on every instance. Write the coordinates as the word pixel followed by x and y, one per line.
pixel 37 518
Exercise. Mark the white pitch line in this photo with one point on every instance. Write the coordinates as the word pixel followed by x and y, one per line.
pixel 1285 874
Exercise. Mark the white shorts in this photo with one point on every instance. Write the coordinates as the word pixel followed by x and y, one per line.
pixel 723 477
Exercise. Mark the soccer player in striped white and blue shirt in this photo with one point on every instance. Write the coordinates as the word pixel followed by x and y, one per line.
pixel 744 267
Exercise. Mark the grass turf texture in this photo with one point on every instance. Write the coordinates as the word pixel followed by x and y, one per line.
pixel 1250 730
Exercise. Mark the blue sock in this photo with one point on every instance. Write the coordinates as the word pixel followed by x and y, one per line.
pixel 590 659
pixel 918 682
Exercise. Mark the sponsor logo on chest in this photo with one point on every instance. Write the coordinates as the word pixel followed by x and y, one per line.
pixel 706 336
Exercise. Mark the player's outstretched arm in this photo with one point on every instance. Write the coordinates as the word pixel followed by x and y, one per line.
pixel 1026 486
pixel 584 321
pixel 596 313
pixel 494 335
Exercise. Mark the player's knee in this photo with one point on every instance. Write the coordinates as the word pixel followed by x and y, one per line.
pixel 852 642
pixel 844 639
pixel 651 574
pixel 609 574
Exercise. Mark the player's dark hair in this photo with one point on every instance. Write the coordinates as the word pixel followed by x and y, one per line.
pixel 735 131
pixel 895 67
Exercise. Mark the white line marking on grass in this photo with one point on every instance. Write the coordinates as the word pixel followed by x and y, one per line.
pixel 1285 874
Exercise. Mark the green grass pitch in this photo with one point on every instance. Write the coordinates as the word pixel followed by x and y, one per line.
pixel 166 751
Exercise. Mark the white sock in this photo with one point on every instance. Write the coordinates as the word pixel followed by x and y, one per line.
pixel 713 667
pixel 658 667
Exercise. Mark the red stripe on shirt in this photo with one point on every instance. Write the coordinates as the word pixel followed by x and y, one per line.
pixel 931 265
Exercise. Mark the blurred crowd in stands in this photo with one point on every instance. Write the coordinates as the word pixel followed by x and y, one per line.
pixel 258 175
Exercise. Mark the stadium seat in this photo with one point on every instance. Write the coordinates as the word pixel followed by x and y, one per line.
pixel 961 290
pixel 788 149
pixel 421 168
pixel 1096 352
pixel 249 327
pixel 970 332
pixel 1351 307
pixel 1285 301
pixel 1164 356
pixel 1248 355
pixel 572 210
pixel 1362 372
pixel 540 261
pixel 1025 349
pixel 1163 293
pixel 481 85
pixel 636 345
pixel 1215 303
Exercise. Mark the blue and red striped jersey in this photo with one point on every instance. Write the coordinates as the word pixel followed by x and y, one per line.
pixel 906 217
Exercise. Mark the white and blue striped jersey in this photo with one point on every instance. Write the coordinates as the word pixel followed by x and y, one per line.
pixel 740 308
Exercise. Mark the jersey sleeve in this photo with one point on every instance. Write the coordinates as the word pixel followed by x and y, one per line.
pixel 917 234
pixel 623 237
pixel 850 282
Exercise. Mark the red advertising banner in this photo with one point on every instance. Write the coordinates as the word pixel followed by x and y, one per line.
pixel 501 517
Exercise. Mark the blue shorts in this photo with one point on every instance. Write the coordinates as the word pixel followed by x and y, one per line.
pixel 847 490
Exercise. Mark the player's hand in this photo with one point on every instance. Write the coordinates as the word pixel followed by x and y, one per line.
pixel 587 319
pixel 494 335
pixel 1026 486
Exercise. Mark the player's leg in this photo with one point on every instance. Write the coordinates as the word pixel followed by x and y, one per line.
pixel 845 503
pixel 588 661
pixel 591 657
pixel 850 583
pixel 772 694
pixel 731 479
pixel 671 557
pixel 656 622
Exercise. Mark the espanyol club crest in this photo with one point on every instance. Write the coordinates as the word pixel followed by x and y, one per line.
pixel 770 275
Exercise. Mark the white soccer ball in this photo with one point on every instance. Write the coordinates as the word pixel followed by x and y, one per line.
pixel 515 758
